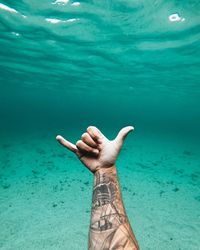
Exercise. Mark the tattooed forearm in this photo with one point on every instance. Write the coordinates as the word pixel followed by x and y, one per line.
pixel 110 228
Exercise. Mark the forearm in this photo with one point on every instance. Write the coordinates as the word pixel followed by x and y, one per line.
pixel 110 228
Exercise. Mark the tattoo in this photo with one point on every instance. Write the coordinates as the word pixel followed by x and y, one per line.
pixel 109 229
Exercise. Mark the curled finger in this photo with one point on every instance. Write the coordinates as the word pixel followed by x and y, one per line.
pixel 82 146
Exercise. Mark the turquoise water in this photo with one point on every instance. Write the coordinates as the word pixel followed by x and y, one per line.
pixel 66 65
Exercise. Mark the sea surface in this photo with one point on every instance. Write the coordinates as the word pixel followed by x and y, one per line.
pixel 66 65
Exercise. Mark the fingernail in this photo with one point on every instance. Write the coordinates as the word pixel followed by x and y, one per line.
pixel 58 137
pixel 96 151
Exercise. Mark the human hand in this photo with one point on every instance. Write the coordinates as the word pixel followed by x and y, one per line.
pixel 94 150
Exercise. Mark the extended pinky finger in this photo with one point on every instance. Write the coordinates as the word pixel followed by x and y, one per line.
pixel 66 143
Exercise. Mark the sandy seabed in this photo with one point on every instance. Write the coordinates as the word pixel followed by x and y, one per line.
pixel 45 193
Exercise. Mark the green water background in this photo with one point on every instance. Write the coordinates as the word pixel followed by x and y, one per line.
pixel 117 63
pixel 108 64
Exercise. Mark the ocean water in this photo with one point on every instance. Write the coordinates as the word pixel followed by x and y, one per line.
pixel 66 65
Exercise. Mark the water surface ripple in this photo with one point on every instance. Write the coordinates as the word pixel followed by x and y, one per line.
pixel 100 44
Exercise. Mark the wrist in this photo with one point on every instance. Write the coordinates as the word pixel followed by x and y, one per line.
pixel 107 170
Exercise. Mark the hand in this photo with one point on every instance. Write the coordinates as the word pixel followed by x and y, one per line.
pixel 94 150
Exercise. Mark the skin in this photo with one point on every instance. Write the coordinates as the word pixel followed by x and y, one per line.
pixel 109 227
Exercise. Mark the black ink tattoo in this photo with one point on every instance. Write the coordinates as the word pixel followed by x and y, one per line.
pixel 109 227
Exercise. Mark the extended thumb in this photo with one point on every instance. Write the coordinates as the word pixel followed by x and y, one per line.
pixel 123 133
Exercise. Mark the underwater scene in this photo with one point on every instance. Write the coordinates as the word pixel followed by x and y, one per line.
pixel 67 65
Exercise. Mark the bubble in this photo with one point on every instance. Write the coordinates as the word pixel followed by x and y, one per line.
pixel 72 20
pixel 61 2
pixel 76 4
pixel 175 18
pixel 54 20
pixel 15 33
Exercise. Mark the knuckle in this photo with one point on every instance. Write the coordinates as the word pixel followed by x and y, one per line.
pixel 93 132
pixel 95 137
pixel 84 136
pixel 90 128
pixel 90 149
pixel 78 143
pixel 95 151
